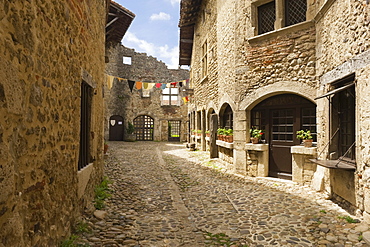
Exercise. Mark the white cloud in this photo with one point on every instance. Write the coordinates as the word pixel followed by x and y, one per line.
pixel 170 56
pixel 160 17
pixel 174 2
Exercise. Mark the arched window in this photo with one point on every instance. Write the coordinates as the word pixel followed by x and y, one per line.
pixel 227 118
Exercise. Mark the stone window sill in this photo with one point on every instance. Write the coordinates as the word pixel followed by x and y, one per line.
pixel 228 145
pixel 281 31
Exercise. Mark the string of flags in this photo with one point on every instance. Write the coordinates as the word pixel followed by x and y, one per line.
pixel 148 85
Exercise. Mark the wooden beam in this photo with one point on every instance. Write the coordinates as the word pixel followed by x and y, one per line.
pixel 189 41
pixel 110 23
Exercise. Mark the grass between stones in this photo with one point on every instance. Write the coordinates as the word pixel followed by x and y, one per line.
pixel 102 193
pixel 220 239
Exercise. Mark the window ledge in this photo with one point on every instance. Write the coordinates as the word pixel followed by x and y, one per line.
pixel 281 31
pixel 335 164
pixel 256 147
pixel 228 145
pixel 303 150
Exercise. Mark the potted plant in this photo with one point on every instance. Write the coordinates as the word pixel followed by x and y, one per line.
pixel 256 135
pixel 208 133
pixel 229 135
pixel 130 135
pixel 306 137
pixel 220 134
pixel 199 132
pixel 193 132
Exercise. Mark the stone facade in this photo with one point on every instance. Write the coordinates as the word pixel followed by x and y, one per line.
pixel 255 73
pixel 120 101
pixel 47 49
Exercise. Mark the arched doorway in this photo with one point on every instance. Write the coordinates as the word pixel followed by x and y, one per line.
pixel 144 128
pixel 281 116
pixel 116 128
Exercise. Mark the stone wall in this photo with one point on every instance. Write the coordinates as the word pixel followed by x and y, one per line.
pixel 45 46
pixel 121 101
pixel 343 48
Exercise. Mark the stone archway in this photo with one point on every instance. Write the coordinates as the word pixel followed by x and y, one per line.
pixel 281 116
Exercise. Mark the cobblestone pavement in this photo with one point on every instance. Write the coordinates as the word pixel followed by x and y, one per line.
pixel 165 195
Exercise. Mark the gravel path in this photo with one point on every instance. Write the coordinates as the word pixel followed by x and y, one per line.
pixel 165 195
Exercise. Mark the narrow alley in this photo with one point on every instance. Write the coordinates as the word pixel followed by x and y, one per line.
pixel 165 195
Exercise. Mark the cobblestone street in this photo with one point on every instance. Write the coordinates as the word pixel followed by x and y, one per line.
pixel 165 195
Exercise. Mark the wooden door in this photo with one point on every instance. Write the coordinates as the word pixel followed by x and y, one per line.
pixel 116 128
pixel 284 124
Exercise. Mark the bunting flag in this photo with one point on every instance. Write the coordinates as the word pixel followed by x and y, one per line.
pixel 131 84
pixel 146 85
pixel 110 81
pixel 138 85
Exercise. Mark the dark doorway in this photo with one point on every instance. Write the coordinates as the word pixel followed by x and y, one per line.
pixel 116 128
pixel 144 128
pixel 174 130
pixel 281 117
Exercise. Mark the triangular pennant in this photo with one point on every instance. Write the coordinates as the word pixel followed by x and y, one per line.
pixel 164 85
pixel 138 85
pixel 180 83
pixel 158 85
pixel 173 84
pixel 131 84
pixel 145 85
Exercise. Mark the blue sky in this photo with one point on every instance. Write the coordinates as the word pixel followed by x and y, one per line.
pixel 155 29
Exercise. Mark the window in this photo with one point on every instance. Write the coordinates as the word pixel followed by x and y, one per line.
pixel 170 96
pixel 126 60
pixel 343 122
pixel 205 59
pixel 85 125
pixel 279 13
pixel 227 118
pixel 295 11
pixel 266 17
pixel 308 121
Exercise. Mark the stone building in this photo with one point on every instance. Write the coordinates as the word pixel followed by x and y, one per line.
pixel 283 66
pixel 157 114
pixel 51 107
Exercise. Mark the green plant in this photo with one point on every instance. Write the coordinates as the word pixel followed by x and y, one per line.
pixel 101 193
pixel 199 131
pixel 228 132
pixel 207 132
pixel 82 227
pixel 130 128
pixel 256 133
pixel 304 135
pixel 220 131
pixel 349 219
pixel 323 211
